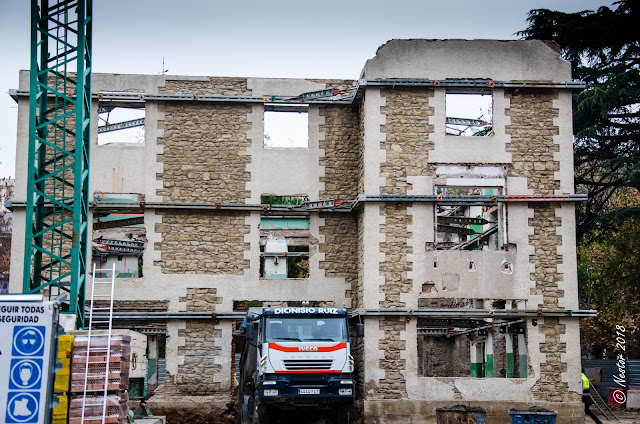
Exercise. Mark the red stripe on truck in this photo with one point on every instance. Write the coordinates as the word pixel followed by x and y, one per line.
pixel 310 372
pixel 298 349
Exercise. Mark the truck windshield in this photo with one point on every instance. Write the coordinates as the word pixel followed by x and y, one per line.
pixel 306 329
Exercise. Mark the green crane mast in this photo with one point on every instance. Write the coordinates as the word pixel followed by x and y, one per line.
pixel 58 162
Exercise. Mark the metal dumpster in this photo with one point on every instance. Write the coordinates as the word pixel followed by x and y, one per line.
pixel 533 415
pixel 461 414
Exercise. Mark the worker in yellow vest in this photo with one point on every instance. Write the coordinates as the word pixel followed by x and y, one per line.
pixel 586 399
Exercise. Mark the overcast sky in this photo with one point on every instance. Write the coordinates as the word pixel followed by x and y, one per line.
pixel 276 38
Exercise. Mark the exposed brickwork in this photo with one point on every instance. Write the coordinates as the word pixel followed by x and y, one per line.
pixel 532 146
pixel 394 270
pixel 444 357
pixel 361 148
pixel 340 158
pixel 201 299
pixel 546 240
pixel 340 246
pixel 203 341
pixel 357 295
pixel 215 85
pixel 407 132
pixel 393 385
pixel 499 353
pixel 202 243
pixel 134 305
pixel 550 386
pixel 205 152
pixel 396 248
pixel 344 85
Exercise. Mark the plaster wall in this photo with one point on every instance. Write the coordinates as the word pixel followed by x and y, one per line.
pixel 469 274
pixel 486 150
pixel 272 168
pixel 373 155
pixel 468 59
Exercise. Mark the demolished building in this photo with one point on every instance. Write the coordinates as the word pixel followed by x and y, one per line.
pixel 452 236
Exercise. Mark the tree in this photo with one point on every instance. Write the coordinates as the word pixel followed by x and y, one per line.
pixel 604 48
pixel 6 225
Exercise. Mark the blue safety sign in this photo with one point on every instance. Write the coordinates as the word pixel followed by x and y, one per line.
pixel 25 374
pixel 27 342
pixel 22 407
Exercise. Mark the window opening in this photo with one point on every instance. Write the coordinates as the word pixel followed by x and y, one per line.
pixel 469 114
pixel 468 227
pixel 119 236
pixel 292 263
pixel 466 348
pixel 286 129
pixel 284 240
pixel 282 200
pixel 120 125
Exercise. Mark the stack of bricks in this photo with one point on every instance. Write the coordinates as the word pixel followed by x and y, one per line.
pixel 103 362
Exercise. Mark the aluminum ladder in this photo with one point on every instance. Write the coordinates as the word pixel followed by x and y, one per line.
pixel 601 404
pixel 110 284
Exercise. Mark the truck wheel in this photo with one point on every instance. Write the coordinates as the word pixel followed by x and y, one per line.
pixel 262 415
pixel 246 410
pixel 342 416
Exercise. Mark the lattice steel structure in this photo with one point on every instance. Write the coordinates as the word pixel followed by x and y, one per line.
pixel 59 132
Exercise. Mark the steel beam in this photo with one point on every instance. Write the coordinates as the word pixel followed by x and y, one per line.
pixel 121 125
pixel 324 206
pixel 461 313
pixel 352 98
pixel 477 313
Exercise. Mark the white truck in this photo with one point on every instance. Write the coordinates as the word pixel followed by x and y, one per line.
pixel 296 359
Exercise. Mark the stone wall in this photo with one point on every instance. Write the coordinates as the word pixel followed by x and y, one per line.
pixel 357 294
pixel 546 259
pixel 205 152
pixel 406 147
pixel 204 159
pixel 393 385
pixel 340 248
pixel 532 132
pixel 361 131
pixel 545 239
pixel 550 386
pixel 202 346
pixel 533 147
pixel 202 242
pixel 407 141
pixel 396 247
pixel 224 86
pixel 340 160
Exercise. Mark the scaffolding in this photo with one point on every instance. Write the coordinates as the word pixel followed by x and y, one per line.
pixel 58 155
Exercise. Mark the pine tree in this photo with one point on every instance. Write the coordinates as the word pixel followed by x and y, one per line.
pixel 604 48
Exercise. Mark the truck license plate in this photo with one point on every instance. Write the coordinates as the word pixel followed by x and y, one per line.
pixel 308 391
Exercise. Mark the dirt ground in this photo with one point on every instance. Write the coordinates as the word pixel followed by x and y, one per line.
pixel 625 416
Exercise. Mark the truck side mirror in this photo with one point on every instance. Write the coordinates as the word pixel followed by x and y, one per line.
pixel 250 332
pixel 359 329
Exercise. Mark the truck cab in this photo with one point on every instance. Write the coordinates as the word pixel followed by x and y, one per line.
pixel 294 359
